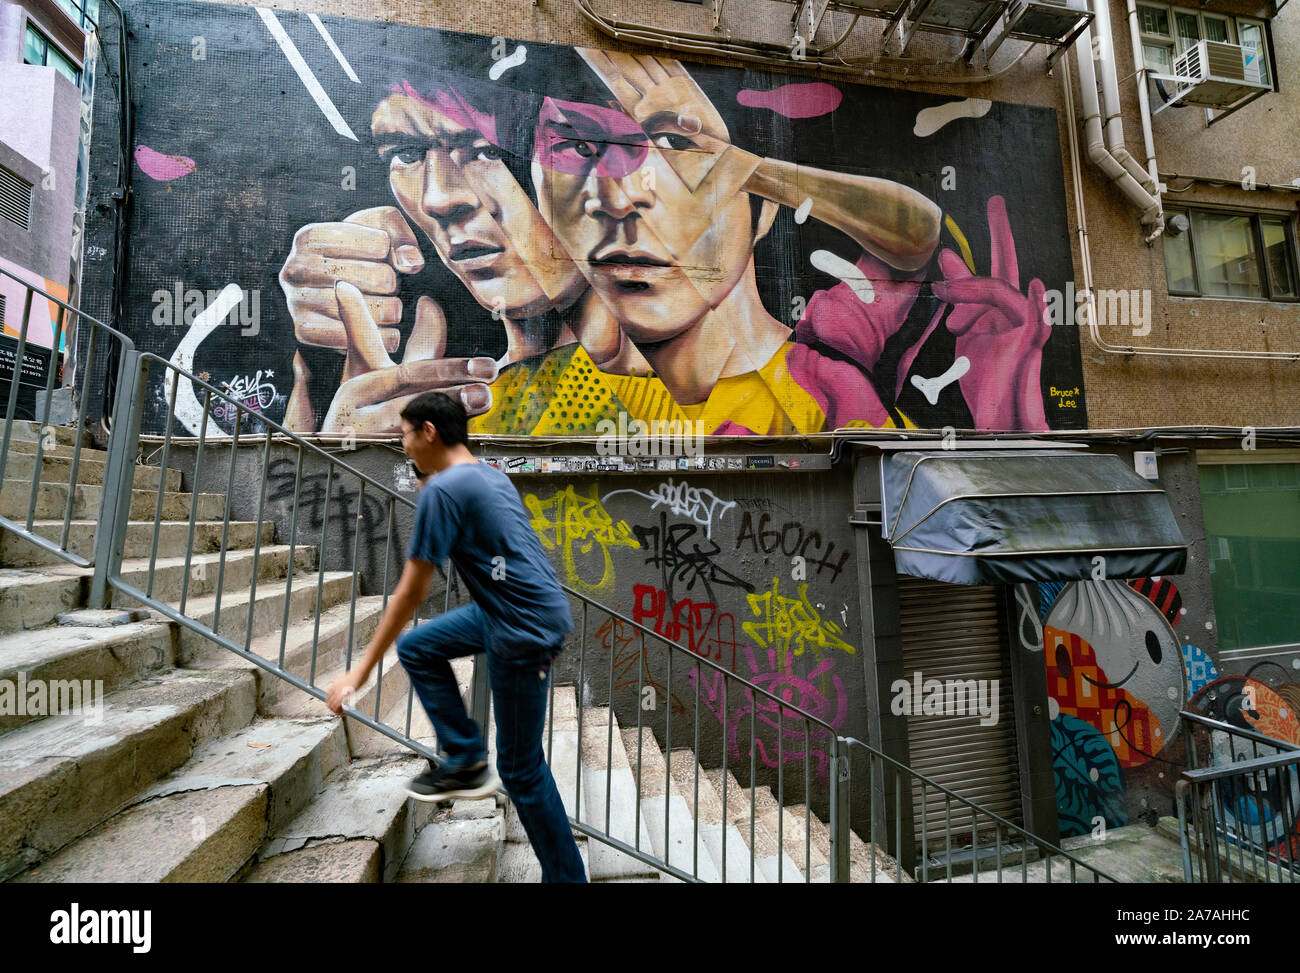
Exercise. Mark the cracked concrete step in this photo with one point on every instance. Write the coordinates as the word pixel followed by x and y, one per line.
pixel 32 598
pixel 52 501
pixel 517 865
pixel 613 795
pixel 57 468
pixel 27 447
pixel 30 431
pixel 59 656
pixel 708 812
pixel 808 853
pixel 202 822
pixel 63 775
pixel 353 861
pixel 461 844
pixel 860 857
pixel 268 611
pixel 769 857
pixel 364 801
pixel 674 841
pixel 173 539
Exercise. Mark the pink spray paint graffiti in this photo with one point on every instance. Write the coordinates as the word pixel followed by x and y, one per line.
pixel 820 693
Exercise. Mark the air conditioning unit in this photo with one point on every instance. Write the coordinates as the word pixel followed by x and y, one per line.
pixel 1215 75
pixel 1047 20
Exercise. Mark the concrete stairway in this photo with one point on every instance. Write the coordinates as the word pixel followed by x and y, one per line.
pixel 196 765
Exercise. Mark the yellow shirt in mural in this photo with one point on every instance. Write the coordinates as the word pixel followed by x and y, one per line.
pixel 563 393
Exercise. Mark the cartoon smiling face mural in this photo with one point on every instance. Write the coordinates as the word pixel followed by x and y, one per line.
pixel 1114 662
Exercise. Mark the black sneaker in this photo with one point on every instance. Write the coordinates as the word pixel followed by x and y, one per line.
pixel 438 784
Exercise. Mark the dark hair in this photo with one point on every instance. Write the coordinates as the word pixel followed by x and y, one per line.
pixel 446 413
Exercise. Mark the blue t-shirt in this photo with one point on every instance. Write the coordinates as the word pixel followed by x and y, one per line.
pixel 472 514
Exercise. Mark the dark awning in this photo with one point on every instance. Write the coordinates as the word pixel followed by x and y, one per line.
pixel 1002 516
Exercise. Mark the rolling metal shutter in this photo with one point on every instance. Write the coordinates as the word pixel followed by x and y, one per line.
pixel 953 631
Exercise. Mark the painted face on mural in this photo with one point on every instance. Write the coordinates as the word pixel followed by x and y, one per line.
pixel 450 180
pixel 619 197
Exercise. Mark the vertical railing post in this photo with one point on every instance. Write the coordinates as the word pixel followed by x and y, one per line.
pixel 479 693
pixel 119 474
pixel 840 817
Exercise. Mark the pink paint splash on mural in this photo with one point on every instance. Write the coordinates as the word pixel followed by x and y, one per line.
pixel 162 167
pixel 806 100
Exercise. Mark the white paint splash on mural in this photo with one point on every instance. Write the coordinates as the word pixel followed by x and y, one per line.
pixel 931 387
pixel 188 410
pixel 836 266
pixel 930 120
pixel 506 63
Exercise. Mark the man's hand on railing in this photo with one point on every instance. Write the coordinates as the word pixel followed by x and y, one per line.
pixel 344 686
pixel 372 402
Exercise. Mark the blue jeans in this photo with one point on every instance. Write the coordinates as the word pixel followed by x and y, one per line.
pixel 519 692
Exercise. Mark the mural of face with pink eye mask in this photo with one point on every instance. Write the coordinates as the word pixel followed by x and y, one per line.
pixel 659 254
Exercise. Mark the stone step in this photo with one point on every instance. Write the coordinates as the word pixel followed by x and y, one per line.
pixel 675 841
pixel 173 540
pixel 691 778
pixel 860 857
pixel 808 853
pixel 203 822
pixel 52 502
pixel 519 866
pixel 53 659
pixel 57 468
pixel 365 801
pixel 613 796
pixel 458 845
pixel 769 857
pixel 268 612
pixel 29 431
pixel 62 450
pixel 63 775
pixel 32 598
pixel 353 861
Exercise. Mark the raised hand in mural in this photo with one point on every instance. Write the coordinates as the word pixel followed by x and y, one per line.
pixel 370 403
pixel 367 250
pixel 892 221
pixel 999 330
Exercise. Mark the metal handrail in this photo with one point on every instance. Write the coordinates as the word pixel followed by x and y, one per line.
pixel 950 796
pixel 136 369
pixel 1227 808
pixel 25 529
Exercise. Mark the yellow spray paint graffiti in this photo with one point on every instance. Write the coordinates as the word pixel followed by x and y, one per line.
pixel 577 526
pixel 791 621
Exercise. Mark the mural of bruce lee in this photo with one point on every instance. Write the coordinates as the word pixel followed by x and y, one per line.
pixel 650 205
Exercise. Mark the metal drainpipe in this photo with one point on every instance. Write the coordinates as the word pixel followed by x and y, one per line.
pixel 1152 214
pixel 1114 125
pixel 1144 98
